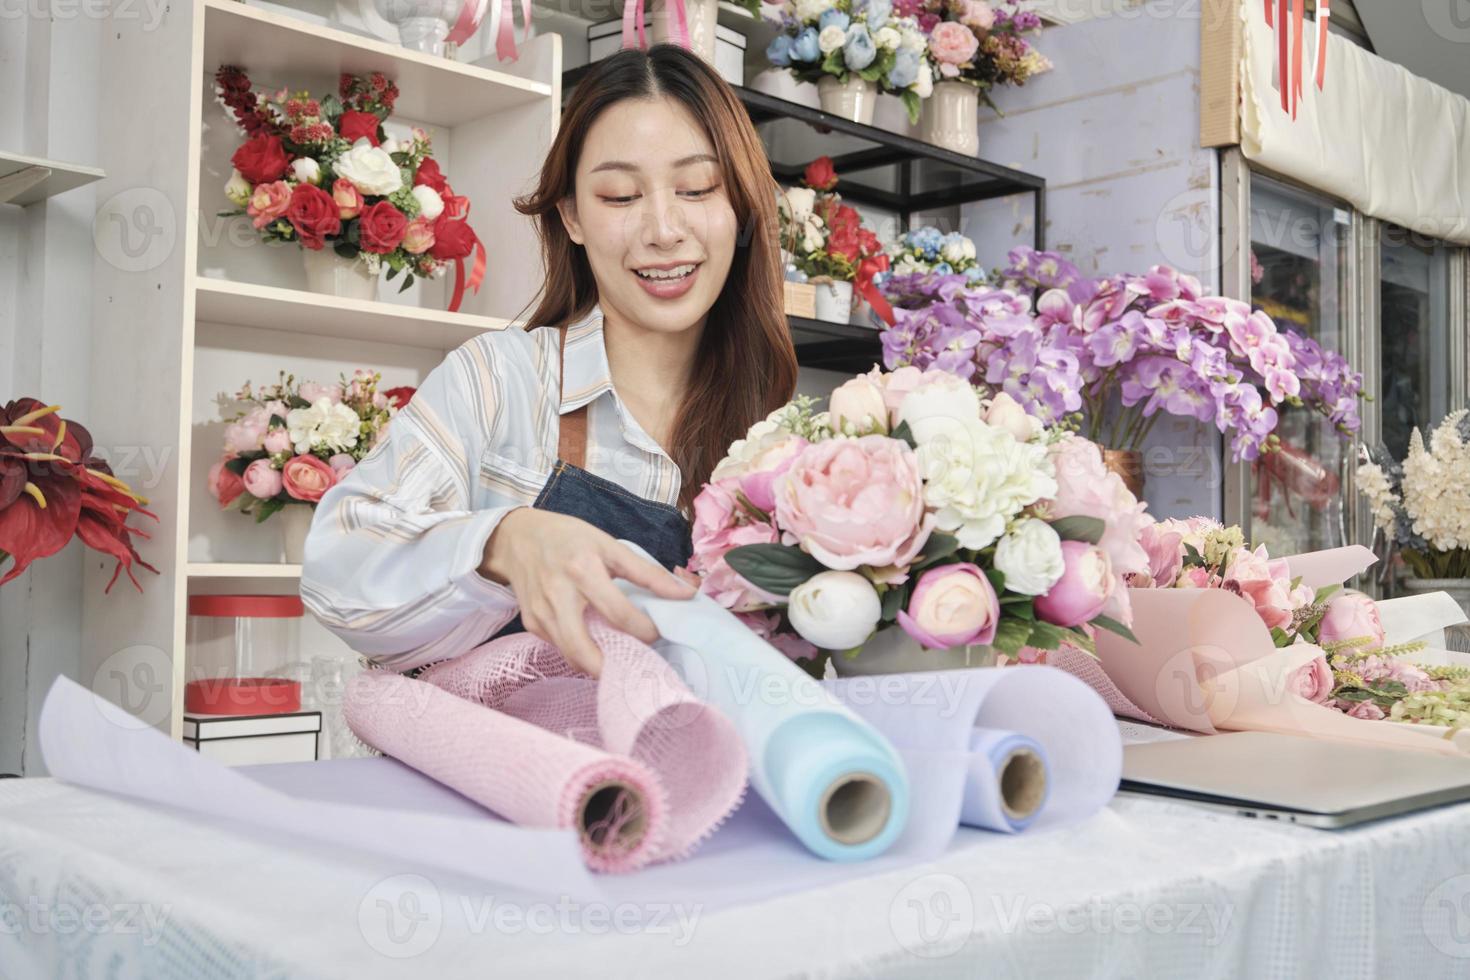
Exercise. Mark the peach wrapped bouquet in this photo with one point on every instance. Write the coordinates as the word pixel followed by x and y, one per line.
pixel 915 501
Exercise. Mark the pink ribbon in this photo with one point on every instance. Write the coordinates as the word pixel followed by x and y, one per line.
pixel 633 21
pixel 468 21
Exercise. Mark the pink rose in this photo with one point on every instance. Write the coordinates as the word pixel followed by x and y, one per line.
pixel 420 236
pixel 1082 591
pixel 1165 550
pixel 307 478
pixel 312 391
pixel 1312 681
pixel 1264 581
pixel 268 202
pixel 262 480
pixel 341 464
pixel 347 198
pixel 895 385
pixel 1366 710
pixel 858 402
pixel 853 502
pixel 977 14
pixel 1194 577
pixel 224 485
pixel 952 606
pixel 720 524
pixel 1352 616
pixel 244 436
pixel 952 43
pixel 277 441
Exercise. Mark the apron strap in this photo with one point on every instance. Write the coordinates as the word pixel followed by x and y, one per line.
pixel 571 438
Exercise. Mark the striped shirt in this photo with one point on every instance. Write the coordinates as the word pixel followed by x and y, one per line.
pixel 392 556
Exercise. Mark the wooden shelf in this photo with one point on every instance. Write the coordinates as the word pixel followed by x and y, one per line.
pixel 297 311
pixel 434 90
pixel 29 180
pixel 258 570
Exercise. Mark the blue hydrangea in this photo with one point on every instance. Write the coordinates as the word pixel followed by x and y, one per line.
pixel 778 52
pixel 975 274
pixel 858 51
pixel 943 269
pixel 905 69
pixel 927 241
pixel 876 12
pixel 833 17
pixel 805 47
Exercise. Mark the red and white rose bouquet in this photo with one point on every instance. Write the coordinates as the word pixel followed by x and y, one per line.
pixel 290 443
pixel 913 501
pixel 323 173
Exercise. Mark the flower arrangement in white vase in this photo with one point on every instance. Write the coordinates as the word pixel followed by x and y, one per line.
pixel 826 242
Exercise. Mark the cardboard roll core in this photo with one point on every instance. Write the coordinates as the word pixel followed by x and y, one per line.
pixel 1022 783
pixel 612 817
pixel 855 808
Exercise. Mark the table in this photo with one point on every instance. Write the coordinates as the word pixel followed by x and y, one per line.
pixel 93 885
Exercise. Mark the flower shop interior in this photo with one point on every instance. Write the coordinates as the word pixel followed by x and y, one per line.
pixel 1225 241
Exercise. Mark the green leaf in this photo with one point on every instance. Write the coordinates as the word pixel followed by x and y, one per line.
pixel 1045 636
pixel 776 568
pixel 938 547
pixel 1024 609
pixel 238 464
pixel 997 579
pixel 1324 592
pixel 833 63
pixel 1192 557
pixel 346 249
pixel 267 508
pixel 902 431
pixel 407 281
pixel 872 73
pixel 911 102
pixel 893 601
pixel 1113 626
pixel 392 271
pixel 1011 636
pixel 1080 527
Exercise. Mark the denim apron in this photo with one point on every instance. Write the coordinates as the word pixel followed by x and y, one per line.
pixel 656 527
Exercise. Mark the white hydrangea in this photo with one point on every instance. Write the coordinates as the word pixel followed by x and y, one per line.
pixel 1374 484
pixel 978 477
pixel 325 425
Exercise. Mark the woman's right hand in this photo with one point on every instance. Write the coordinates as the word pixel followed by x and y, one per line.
pixel 558 565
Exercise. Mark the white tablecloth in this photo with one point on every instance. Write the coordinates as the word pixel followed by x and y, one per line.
pixel 97 886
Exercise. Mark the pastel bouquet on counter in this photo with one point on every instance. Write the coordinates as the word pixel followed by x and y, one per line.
pixel 979 43
pixel 1422 505
pixel 323 173
pixel 866 39
pixel 914 503
pixel 289 443
pixel 929 251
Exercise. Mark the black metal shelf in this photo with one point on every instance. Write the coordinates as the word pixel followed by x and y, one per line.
pixel 885 170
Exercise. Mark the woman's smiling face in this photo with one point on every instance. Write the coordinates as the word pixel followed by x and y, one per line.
pixel 652 212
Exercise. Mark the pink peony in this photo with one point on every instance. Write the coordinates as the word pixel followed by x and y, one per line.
pixel 767 457
pixel 1366 710
pixel 854 502
pixel 860 402
pixel 224 484
pixel 1081 593
pixel 952 43
pixel 341 464
pixel 1352 616
pixel 1265 581
pixel 1312 681
pixel 277 441
pixel 951 606
pixel 1165 550
pixel 244 436
pixel 977 14
pixel 307 478
pixel 720 523
pixel 1194 577
pixel 262 480
pixel 313 391
pixel 268 202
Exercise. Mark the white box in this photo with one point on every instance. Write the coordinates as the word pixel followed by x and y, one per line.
pixel 607 38
pixel 246 740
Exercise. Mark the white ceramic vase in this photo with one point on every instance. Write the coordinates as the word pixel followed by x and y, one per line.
pixel 422 24
pixel 950 117
pixel 295 521
pixel 1456 637
pixel 853 99
pixel 332 275
pixel 892 651
pixel 699 15
pixel 834 301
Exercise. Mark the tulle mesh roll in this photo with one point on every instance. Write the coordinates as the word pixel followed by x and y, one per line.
pixel 631 759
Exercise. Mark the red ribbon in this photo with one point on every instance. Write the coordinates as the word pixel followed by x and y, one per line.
pixel 1269 21
pixel 866 270
pixel 503 23
pixel 477 275
pixel 1323 14
pixel 1298 10
pixel 1281 54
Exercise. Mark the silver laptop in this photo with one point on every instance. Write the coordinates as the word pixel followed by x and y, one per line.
pixel 1316 782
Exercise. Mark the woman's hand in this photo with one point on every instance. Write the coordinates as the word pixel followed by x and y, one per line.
pixel 558 565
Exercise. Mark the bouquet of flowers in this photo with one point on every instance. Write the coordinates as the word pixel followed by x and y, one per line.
pixel 1150 343
pixel 53 489
pixel 1358 673
pixel 1422 505
pixel 928 250
pixel 913 501
pixel 322 172
pixel 861 37
pixel 290 443
pixel 974 42
pixel 826 238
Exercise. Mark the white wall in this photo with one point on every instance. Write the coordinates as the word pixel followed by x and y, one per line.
pixel 45 331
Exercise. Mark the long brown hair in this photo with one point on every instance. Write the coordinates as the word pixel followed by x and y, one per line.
pixel 745 366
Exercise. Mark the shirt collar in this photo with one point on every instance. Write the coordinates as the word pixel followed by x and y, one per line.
pixel 586 374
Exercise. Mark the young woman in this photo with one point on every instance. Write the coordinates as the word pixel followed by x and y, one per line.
pixel 658 339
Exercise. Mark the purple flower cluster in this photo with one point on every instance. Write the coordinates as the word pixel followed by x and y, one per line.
pixel 1154 342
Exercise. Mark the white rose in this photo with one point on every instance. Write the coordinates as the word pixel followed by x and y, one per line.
pixel 942 403
pixel 1006 413
pixel 812 10
pixel 743 453
pixel 1030 556
pixel 859 402
pixel 978 477
pixel 238 189
pixel 798 203
pixel 924 84
pixel 886 38
pixel 831 38
pixel 835 610
pixel 431 205
pixel 955 252
pixel 306 170
pixel 913 40
pixel 369 169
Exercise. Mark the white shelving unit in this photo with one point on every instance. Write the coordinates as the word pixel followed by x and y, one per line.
pixel 29 180
pixel 216 307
